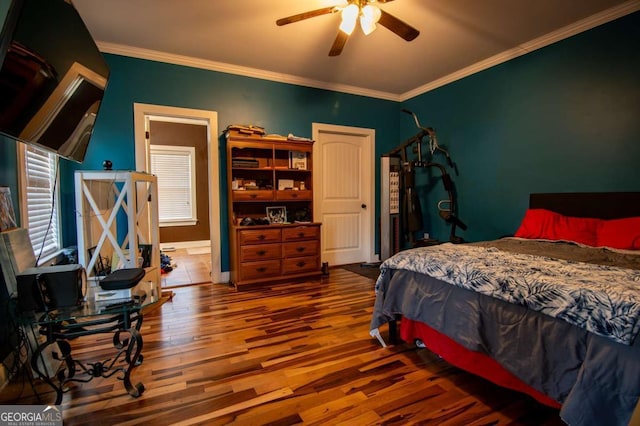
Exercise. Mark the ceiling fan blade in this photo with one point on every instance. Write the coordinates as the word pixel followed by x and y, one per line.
pixel 338 44
pixel 399 27
pixel 306 15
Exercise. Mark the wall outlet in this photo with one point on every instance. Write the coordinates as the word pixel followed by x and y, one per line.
pixel 426 235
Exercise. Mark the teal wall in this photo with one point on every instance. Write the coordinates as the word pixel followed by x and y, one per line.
pixel 4 9
pixel 8 175
pixel 560 119
pixel 279 108
pixel 565 118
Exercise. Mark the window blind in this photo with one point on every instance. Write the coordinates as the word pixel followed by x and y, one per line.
pixel 42 211
pixel 174 167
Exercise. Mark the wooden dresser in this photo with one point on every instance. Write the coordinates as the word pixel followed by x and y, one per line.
pixel 277 251
pixel 266 178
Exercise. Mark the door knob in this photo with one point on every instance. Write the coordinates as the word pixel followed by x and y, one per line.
pixel 364 206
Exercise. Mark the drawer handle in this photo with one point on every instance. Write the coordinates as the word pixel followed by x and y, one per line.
pixel 300 234
pixel 301 264
pixel 294 195
pixel 261 269
pixel 300 249
pixel 261 237
pixel 253 195
pixel 261 252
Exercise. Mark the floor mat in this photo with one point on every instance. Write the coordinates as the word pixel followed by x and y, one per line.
pixel 367 270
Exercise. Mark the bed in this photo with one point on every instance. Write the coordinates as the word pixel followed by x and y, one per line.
pixel 553 312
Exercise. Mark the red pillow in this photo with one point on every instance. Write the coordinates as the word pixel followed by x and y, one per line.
pixel 620 233
pixel 548 225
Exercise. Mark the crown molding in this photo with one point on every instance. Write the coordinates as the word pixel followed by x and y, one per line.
pixel 154 55
pixel 524 48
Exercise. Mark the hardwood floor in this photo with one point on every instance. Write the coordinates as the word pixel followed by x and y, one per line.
pixel 297 353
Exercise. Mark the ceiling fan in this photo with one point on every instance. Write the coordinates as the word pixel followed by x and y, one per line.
pixel 353 10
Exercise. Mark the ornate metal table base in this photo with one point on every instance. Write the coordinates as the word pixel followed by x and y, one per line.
pixel 127 342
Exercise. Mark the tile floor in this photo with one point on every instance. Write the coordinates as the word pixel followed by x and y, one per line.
pixel 190 266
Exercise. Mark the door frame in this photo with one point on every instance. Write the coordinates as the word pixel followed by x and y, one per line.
pixel 143 112
pixel 370 134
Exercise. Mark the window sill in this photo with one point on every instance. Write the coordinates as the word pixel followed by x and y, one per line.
pixel 180 223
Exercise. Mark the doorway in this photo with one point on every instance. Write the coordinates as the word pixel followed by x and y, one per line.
pixel 143 115
pixel 344 192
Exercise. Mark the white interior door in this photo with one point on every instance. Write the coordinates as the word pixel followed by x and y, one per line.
pixel 344 192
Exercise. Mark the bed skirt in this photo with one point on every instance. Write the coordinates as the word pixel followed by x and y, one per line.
pixel 470 361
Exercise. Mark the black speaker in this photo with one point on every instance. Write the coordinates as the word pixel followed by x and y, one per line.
pixel 51 287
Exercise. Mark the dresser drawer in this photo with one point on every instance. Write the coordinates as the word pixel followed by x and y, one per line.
pixel 260 236
pixel 300 248
pixel 254 270
pixel 253 195
pixel 294 195
pixel 297 265
pixel 254 252
pixel 301 233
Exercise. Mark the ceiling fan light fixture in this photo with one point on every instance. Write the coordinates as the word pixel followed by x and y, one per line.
pixel 369 16
pixel 349 18
pixel 371 13
pixel 367 25
pixel 351 11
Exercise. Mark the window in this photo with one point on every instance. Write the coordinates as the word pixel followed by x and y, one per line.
pixel 40 210
pixel 176 171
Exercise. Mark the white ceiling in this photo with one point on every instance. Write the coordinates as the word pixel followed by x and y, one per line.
pixel 457 38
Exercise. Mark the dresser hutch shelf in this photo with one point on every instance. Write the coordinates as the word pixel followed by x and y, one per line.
pixel 275 173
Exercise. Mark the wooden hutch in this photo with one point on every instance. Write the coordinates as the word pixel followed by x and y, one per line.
pixel 266 177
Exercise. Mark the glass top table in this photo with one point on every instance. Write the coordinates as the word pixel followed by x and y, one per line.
pixel 91 308
pixel 120 317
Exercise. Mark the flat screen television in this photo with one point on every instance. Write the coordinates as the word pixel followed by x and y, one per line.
pixel 52 77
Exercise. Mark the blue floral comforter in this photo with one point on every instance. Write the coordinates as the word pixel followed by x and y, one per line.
pixel 601 299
